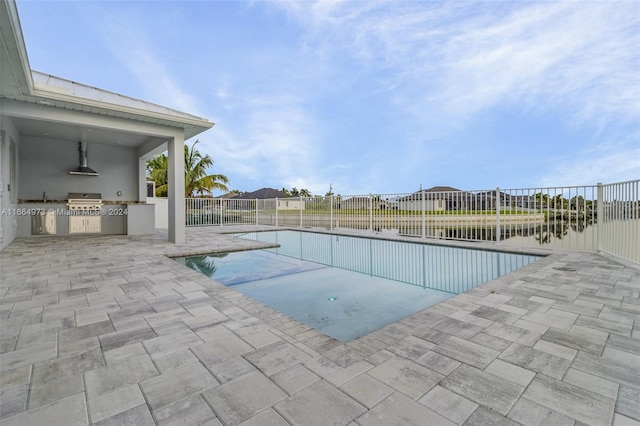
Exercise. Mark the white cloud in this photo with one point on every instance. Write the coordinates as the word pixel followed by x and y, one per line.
pixel 605 164
pixel 125 37
pixel 457 59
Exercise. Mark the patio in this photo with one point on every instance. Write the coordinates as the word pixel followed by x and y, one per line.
pixel 107 330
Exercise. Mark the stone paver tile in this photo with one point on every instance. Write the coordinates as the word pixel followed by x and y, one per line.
pixel 578 338
pixel 44 392
pixel 13 399
pixel 212 353
pixel 174 360
pixel 203 317
pixel 82 332
pixel 535 360
pixel 467 352
pixel 605 325
pixel 118 373
pixel 589 382
pixel 493 300
pixel 628 402
pixel 176 384
pixel 275 357
pixel 406 376
pixel 483 388
pixel 438 363
pixel 448 404
pixel 25 357
pixel 497 315
pixel 622 356
pixel 531 326
pixel 411 347
pixel 513 373
pixel 126 337
pixel 190 411
pixel 554 318
pixel 108 405
pixel 294 378
pixel 611 369
pixel 258 335
pixel 267 417
pixel 555 349
pixel 490 341
pixel 67 411
pixel 222 336
pixel 431 335
pixel 484 417
pixel 345 374
pixel 230 369
pixel 623 343
pixel 242 398
pixel 531 414
pixel 572 401
pixel 139 416
pixel 461 329
pixel 367 390
pixel 399 410
pixel 166 344
pixel 319 404
pixel 620 420
pixel 513 334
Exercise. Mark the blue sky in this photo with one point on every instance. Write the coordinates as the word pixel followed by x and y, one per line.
pixel 372 97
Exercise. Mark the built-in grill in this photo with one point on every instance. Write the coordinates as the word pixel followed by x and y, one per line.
pixel 85 213
pixel 84 202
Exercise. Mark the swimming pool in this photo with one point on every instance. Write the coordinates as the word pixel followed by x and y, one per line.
pixel 349 286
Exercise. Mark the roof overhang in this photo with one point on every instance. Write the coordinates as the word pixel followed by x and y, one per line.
pixel 19 83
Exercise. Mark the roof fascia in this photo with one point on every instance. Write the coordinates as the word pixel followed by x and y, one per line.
pixel 14 39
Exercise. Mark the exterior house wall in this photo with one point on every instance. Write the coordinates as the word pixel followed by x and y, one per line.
pixel 44 167
pixel 8 221
pixel 416 205
pixel 290 204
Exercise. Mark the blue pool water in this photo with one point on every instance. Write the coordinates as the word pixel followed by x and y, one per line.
pixel 346 286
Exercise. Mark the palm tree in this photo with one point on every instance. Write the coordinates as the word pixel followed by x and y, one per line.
pixel 196 179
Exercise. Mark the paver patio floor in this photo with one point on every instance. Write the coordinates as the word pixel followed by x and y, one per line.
pixel 108 330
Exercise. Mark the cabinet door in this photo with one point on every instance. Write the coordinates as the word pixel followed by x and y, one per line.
pixel 77 225
pixel 93 224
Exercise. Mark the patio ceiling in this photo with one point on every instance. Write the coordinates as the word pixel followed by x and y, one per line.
pixel 76 133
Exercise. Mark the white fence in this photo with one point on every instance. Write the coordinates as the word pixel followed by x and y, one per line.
pixel 598 217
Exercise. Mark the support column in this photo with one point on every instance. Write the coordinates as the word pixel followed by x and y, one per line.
pixel 176 190
pixel 142 180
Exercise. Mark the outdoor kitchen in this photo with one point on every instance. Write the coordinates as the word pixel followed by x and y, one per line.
pixel 102 193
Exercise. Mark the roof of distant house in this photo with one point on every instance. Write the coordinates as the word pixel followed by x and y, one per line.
pixel 262 194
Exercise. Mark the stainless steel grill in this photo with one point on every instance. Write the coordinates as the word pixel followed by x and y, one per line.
pixel 84 202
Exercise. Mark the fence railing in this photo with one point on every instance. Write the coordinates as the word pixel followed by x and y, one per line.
pixel 598 217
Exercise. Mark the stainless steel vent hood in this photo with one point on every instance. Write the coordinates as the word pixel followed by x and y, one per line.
pixel 83 169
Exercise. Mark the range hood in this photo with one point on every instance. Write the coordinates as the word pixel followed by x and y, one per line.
pixel 83 169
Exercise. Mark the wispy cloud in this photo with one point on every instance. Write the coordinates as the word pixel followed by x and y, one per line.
pixel 461 58
pixel 125 37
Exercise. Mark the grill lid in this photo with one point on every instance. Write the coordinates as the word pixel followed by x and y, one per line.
pixel 84 197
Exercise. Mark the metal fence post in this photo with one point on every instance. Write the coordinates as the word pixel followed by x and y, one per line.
pixel 599 216
pixel 331 214
pixel 423 231
pixel 370 212
pixel 257 222
pixel 276 205
pixel 300 207
pixel 498 231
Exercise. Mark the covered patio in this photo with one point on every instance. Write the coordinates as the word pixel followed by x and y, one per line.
pixel 127 335
pixel 44 119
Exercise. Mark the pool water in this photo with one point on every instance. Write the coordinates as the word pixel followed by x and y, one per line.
pixel 347 287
